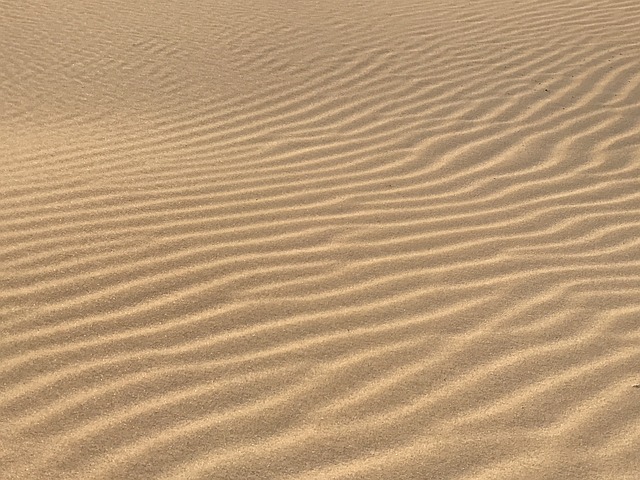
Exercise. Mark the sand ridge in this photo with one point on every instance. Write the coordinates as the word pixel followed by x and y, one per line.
pixel 319 240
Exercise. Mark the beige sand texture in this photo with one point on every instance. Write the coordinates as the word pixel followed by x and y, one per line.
pixel 296 239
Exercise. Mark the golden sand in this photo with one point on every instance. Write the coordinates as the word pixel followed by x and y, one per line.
pixel 274 239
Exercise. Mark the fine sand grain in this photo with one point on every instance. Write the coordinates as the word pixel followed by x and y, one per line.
pixel 278 239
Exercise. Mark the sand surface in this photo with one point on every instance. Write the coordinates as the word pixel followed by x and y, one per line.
pixel 278 239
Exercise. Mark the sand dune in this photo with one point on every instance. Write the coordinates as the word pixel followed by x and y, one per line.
pixel 320 240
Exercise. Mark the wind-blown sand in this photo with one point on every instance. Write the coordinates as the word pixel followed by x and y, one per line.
pixel 392 239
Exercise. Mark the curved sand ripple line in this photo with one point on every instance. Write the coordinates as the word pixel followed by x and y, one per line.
pixel 326 240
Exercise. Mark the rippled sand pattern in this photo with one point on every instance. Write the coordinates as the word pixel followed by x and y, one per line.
pixel 280 239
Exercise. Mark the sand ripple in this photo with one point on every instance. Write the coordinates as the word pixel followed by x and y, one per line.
pixel 320 240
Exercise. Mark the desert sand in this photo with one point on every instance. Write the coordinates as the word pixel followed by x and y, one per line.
pixel 273 239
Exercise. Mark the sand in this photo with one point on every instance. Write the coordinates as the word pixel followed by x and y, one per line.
pixel 280 239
